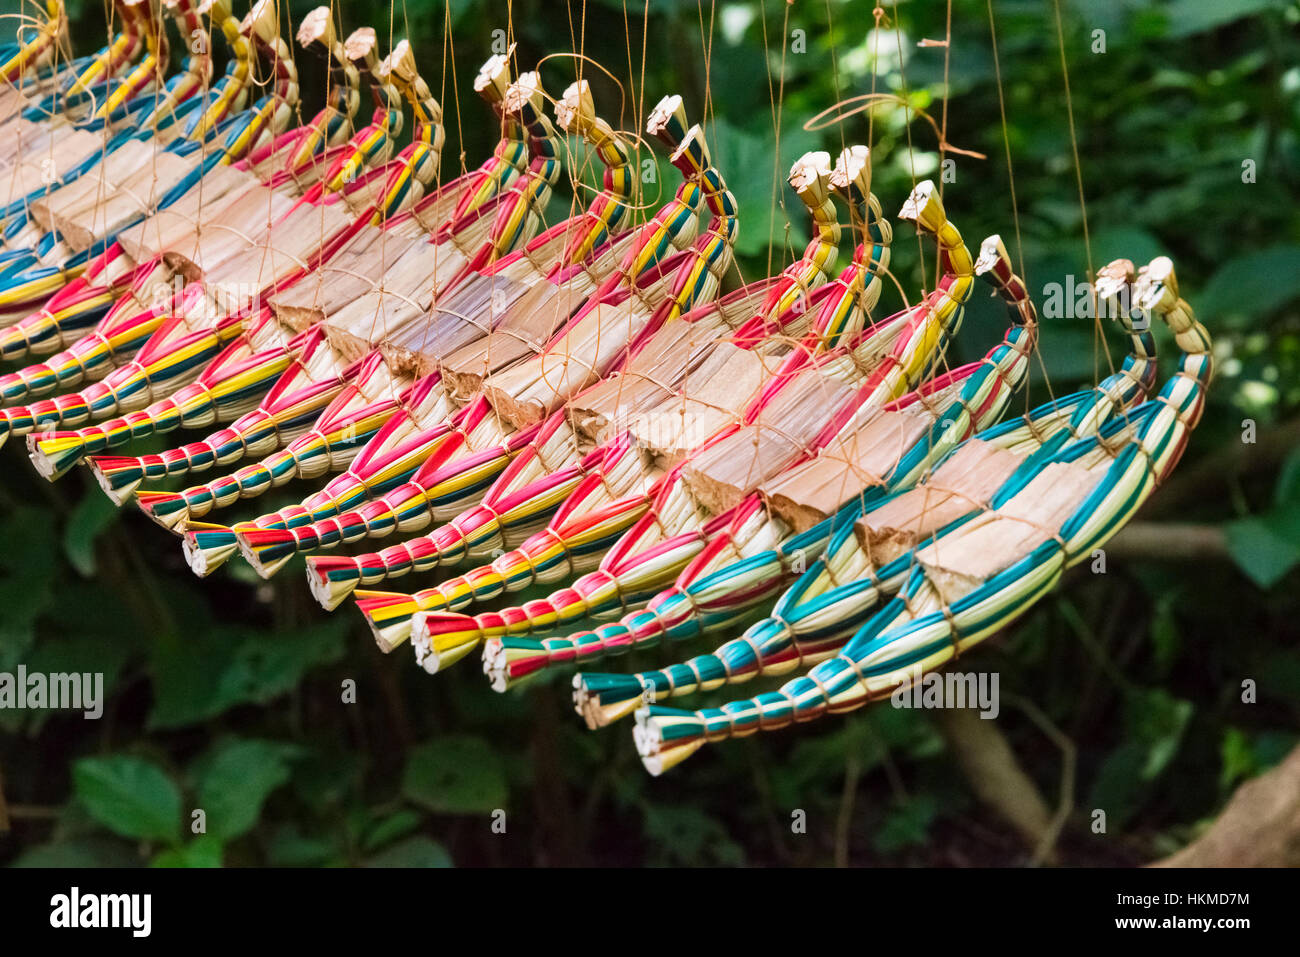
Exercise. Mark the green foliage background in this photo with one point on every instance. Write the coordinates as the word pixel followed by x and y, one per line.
pixel 225 695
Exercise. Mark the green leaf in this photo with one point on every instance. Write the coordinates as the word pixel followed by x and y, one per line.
pixel 323 778
pixel 89 852
pixel 203 851
pixel 1279 676
pixel 1247 755
pixel 130 796
pixel 390 828
pixel 459 774
pixel 289 847
pixel 85 654
pixel 1165 635
pixel 1118 787
pixel 821 757
pixel 204 675
pixel 1287 489
pixel 236 780
pixel 1270 747
pixel 1158 720
pixel 1260 552
pixel 755 153
pixel 1155 723
pixel 1188 17
pixel 907 824
pixel 1125 242
pixel 93 514
pixel 1237 756
pixel 1253 285
pixel 413 852
pixel 686 835
pixel 29 558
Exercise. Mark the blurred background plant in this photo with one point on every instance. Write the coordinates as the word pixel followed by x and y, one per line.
pixel 1123 692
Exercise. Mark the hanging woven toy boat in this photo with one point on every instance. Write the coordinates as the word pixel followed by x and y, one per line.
pixel 587 407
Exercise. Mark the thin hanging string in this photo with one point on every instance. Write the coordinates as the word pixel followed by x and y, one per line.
pixel 394 384
pixel 911 170
pixel 706 44
pixel 449 58
pixel 1099 342
pixel 835 86
pixel 776 99
pixel 1006 143
pixel 645 39
pixel 109 71
pixel 1015 206
pixel 627 43
pixel 947 61
pixel 708 121
pixel 841 110
pixel 577 43
pixel 911 149
pixel 638 95
pixel 24 20
pixel 943 145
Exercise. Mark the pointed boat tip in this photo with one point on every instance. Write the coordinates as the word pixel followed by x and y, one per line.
pixel 54 454
pixel 601 699
pixel 207 549
pixel 496 665
pixel 117 477
pixel 328 592
pixel 253 548
pixel 168 509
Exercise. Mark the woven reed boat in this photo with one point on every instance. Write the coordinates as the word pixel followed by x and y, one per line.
pixel 783 466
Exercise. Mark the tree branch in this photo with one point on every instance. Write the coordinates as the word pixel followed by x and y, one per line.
pixel 1229 461
pixel 1259 827
pixel 1168 541
pixel 996 777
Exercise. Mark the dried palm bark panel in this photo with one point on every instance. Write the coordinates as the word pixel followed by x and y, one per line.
pixel 959 563
pixel 28 165
pixel 527 392
pixel 715 387
pixel 533 321
pixel 28 142
pixel 723 474
pixel 291 242
pixel 406 291
pixel 239 223
pixel 178 225
pixel 468 313
pixel 504 301
pixel 359 268
pixel 116 171
pixel 477 303
pixel 966 480
pixel 22 179
pixel 136 172
pixel 682 386
pixel 402 290
pixel 12 102
pixel 713 396
pixel 104 213
pixel 811 492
